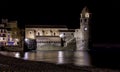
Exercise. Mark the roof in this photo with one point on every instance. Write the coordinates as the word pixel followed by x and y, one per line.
pixel 45 26
pixel 70 30
pixel 85 9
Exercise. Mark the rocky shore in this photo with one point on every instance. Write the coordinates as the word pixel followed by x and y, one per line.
pixel 11 64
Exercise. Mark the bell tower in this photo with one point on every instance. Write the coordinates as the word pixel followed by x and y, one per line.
pixel 84 27
pixel 82 37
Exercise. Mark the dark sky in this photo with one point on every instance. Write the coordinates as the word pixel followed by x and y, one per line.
pixel 104 23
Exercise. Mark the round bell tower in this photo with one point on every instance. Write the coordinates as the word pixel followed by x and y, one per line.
pixel 84 26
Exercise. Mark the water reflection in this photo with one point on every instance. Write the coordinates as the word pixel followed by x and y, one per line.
pixel 58 57
pixel 81 58
pixel 17 55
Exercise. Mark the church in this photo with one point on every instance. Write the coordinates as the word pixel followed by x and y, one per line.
pixel 60 35
pixel 57 35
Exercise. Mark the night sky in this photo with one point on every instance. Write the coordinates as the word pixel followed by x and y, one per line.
pixel 104 23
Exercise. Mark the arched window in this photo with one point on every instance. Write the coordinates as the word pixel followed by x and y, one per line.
pixel 64 33
pixel 43 32
pixel 54 34
pixel 85 20
pixel 38 34
pixel 72 34
pixel 30 32
pixel 51 32
pixel 3 38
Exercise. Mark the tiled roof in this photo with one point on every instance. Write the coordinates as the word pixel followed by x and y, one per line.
pixel 45 26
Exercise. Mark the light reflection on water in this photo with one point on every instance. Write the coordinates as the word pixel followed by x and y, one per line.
pixel 58 57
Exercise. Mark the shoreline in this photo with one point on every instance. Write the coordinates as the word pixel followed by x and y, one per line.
pixel 19 65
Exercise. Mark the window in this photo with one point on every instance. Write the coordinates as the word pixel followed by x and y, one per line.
pixel 85 20
pixel 81 20
pixel 3 38
pixel 38 34
pixel 30 32
pixel 3 30
pixel 54 34
pixel 71 33
pixel 51 31
pixel 1 35
pixel 4 35
pixel 46 32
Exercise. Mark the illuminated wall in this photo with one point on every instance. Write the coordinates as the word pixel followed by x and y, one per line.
pixel 48 35
pixel 33 32
pixel 82 34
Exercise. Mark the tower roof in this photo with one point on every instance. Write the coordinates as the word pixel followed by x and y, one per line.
pixel 84 10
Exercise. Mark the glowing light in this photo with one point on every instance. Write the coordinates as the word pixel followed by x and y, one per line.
pixel 87 15
pixel 60 57
pixel 62 35
pixel 17 39
pixel 85 28
pixel 26 56
pixel 17 55
pixel 26 39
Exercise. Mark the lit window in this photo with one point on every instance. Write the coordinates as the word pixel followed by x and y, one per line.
pixel 87 15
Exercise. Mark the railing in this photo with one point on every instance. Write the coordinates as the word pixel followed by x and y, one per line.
pixel 68 41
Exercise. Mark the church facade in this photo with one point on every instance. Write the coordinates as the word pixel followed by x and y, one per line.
pixel 57 35
pixel 60 35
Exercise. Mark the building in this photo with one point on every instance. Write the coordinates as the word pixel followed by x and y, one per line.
pixel 57 35
pixel 82 34
pixel 9 35
pixel 41 35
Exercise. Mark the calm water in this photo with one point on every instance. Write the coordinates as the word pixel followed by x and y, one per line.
pixel 58 57
pixel 99 57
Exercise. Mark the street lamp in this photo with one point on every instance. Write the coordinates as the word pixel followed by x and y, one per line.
pixel 62 41
pixel 26 40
